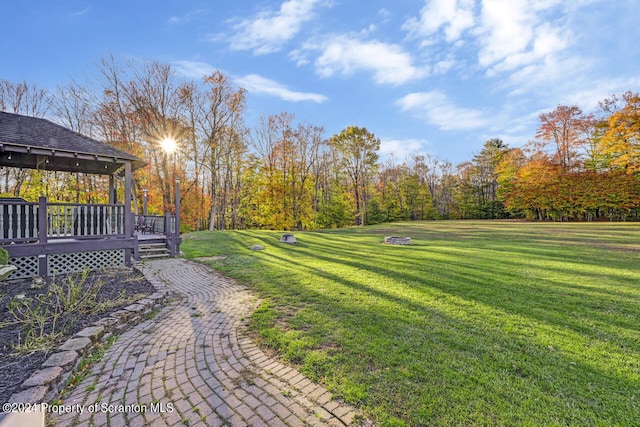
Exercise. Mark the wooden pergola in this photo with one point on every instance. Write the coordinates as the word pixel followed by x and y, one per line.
pixel 44 238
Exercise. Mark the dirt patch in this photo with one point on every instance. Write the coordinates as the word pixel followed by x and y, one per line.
pixel 16 368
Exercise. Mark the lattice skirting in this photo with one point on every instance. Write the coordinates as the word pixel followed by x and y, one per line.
pixel 67 263
pixel 78 261
pixel 27 267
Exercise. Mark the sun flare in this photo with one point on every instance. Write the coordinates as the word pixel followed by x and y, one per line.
pixel 168 145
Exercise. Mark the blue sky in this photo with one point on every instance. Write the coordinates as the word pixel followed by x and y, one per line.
pixel 428 76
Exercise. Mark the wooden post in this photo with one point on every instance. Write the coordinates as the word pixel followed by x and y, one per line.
pixel 43 230
pixel 176 241
pixel 168 234
pixel 136 248
pixel 112 190
pixel 43 225
pixel 145 201
pixel 128 215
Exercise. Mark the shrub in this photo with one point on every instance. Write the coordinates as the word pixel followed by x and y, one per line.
pixel 47 316
pixel 4 256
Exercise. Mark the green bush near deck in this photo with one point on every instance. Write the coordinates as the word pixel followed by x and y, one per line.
pixel 4 256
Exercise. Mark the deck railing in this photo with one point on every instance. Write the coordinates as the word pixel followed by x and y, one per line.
pixel 76 220
pixel 20 221
pixel 43 237
pixel 155 224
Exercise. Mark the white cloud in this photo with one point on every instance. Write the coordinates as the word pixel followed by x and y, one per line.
pixel 588 94
pixel 254 83
pixel 452 16
pixel 193 69
pixel 547 77
pixel 346 55
pixel 80 12
pixel 439 110
pixel 510 37
pixel 401 148
pixel 513 34
pixel 299 56
pixel 442 67
pixel 186 18
pixel 268 31
pixel 385 14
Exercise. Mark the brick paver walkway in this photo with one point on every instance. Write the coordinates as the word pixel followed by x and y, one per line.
pixel 193 365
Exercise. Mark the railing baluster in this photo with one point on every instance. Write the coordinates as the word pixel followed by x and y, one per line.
pixel 58 218
pixel 67 217
pixel 69 224
pixel 120 219
pixel 62 220
pixel 108 219
pixel 96 219
pixel 87 229
pixel 112 220
pixel 68 220
pixel 100 218
pixel 19 221
pixel 105 216
pixel 11 236
pixel 34 220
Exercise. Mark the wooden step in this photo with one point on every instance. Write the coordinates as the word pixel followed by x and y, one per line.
pixel 152 246
pixel 153 249
pixel 154 256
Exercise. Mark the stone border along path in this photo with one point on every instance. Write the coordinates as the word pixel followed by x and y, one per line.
pixel 193 365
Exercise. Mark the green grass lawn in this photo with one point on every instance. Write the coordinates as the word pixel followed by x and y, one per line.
pixel 474 323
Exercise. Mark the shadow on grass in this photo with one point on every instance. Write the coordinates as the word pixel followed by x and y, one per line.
pixel 539 296
pixel 545 372
pixel 445 345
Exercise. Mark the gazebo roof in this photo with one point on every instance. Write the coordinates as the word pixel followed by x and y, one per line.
pixel 35 143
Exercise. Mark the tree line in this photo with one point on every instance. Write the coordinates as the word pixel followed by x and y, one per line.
pixel 286 174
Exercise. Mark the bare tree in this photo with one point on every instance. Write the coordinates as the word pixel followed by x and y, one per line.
pixel 24 98
pixel 221 128
pixel 29 100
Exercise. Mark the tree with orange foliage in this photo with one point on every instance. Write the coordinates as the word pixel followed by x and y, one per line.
pixel 220 124
pixel 621 139
pixel 531 187
pixel 568 128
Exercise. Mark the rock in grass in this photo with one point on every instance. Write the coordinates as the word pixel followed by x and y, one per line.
pixel 395 240
pixel 288 238
pixel 256 247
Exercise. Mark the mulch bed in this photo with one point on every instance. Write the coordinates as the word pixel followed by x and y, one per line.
pixel 16 368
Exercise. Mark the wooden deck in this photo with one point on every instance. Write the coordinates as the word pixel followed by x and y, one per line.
pixel 44 239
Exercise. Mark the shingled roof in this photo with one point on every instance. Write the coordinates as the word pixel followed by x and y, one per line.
pixel 36 143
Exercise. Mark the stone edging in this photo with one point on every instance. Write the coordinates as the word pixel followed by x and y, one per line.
pixel 46 384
